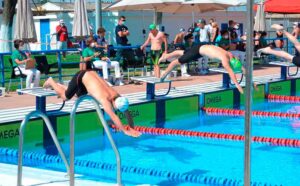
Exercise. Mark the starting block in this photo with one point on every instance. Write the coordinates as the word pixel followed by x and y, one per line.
pixel 284 68
pixel 226 78
pixel 40 97
pixel 150 85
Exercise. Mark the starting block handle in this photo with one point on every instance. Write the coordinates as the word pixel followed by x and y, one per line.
pixel 240 81
pixel 291 75
pixel 150 91
pixel 170 85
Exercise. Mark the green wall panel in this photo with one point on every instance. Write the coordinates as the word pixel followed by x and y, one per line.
pixel 258 95
pixel 297 87
pixel 33 134
pixel 143 114
pixel 280 88
pixel 85 123
pixel 223 99
pixel 181 107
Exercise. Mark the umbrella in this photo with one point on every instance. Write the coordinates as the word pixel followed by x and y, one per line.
pixel 126 5
pixel 24 28
pixel 201 6
pixel 260 24
pixel 81 25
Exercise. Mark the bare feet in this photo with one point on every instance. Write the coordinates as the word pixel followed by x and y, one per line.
pixel 262 51
pixel 47 83
pixel 277 27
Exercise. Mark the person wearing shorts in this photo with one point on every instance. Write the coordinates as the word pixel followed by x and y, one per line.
pixel 88 82
pixel 62 36
pixel 198 51
pixel 156 38
pixel 279 53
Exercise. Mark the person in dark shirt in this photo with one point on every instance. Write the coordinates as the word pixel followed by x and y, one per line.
pixel 121 32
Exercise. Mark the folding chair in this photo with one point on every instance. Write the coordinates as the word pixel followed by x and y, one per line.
pixel 14 75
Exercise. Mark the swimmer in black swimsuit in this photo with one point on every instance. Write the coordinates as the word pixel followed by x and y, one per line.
pixel 196 52
pixel 279 53
pixel 88 82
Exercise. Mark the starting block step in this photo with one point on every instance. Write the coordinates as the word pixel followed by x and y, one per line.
pixel 150 79
pixel 41 94
pixel 226 78
pixel 284 69
pixel 150 83
pixel 283 64
pixel 222 70
pixel 38 92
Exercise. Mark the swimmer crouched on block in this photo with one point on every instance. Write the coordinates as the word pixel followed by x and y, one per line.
pixel 88 82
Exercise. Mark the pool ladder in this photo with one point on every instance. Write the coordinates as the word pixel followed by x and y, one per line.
pixel 69 167
pixel 106 129
pixel 21 139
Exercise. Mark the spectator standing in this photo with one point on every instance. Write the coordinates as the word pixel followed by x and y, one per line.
pixel 62 36
pixel 101 43
pixel 121 32
pixel 179 38
pixel 203 31
pixel 215 32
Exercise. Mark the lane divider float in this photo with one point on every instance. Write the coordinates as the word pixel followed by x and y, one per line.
pixel 236 112
pixel 282 98
pixel 53 160
pixel 283 142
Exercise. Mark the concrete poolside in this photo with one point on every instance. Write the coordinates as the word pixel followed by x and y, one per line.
pixel 13 100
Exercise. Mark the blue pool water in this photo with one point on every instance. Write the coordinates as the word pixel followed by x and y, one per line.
pixel 170 160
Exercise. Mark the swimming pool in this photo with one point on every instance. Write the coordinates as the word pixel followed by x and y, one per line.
pixel 183 160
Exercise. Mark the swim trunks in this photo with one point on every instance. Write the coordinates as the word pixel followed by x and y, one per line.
pixel 76 86
pixel 191 54
pixel 155 55
pixel 296 61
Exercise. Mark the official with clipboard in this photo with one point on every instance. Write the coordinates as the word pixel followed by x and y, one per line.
pixel 25 63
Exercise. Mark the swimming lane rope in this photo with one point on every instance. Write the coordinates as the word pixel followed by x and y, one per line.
pixel 282 98
pixel 52 160
pixel 236 112
pixel 210 135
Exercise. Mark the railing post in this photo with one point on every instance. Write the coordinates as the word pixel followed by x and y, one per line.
pixel 2 70
pixel 21 140
pixel 106 129
pixel 59 66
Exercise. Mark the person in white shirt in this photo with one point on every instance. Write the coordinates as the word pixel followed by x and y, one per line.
pixel 204 37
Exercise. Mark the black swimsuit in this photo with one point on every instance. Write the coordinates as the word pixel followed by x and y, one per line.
pixel 76 86
pixel 296 61
pixel 191 54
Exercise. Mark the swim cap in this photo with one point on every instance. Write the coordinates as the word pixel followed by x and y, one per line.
pixel 122 104
pixel 152 26
pixel 236 65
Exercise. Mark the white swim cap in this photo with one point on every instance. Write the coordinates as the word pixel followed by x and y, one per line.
pixel 122 104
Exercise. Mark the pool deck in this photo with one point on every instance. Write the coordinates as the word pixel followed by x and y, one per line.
pixel 33 176
pixel 13 100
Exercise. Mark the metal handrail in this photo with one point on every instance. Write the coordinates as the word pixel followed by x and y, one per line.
pixel 21 139
pixel 104 124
